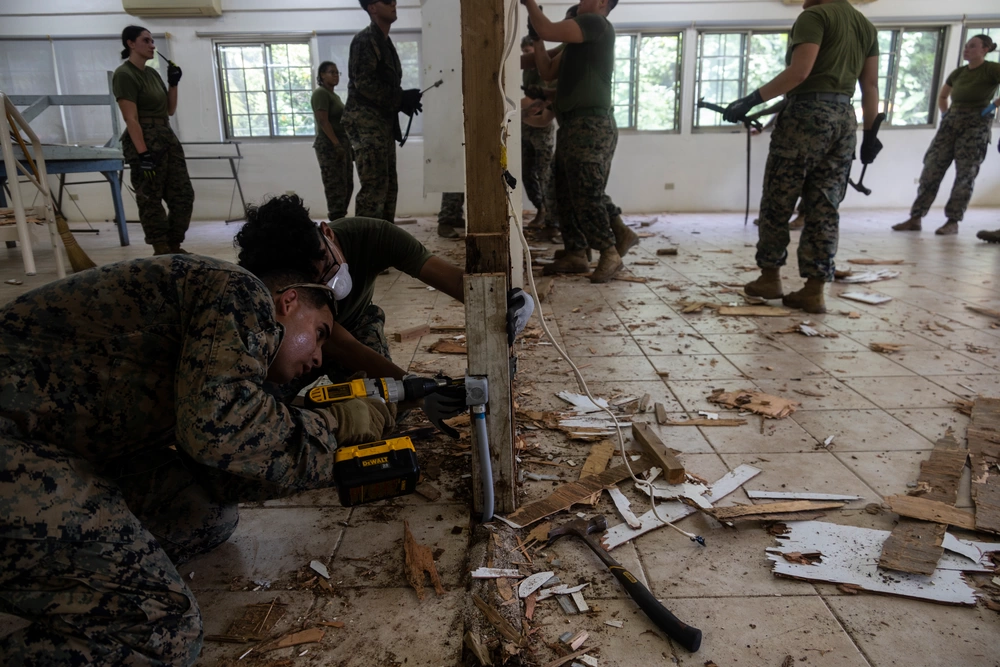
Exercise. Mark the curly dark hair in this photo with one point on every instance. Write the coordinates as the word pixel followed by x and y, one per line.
pixel 279 235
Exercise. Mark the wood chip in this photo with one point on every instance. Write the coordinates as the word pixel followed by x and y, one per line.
pixel 419 559
pixel 447 346
pixel 502 625
pixel 661 252
pixel 577 640
pixel 886 348
pixel 309 636
pixel 495 573
pixel 989 312
pixel 596 463
pixel 475 646
pixel 771 407
pixel 704 422
pixel 867 261
pixel 661 413
pixel 411 333
pixel 568 494
pixel 567 658
pixel 428 491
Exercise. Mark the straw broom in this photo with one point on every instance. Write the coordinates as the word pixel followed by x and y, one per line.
pixel 78 259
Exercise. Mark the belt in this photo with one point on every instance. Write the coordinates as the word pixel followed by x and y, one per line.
pixel 154 121
pixel 585 112
pixel 837 98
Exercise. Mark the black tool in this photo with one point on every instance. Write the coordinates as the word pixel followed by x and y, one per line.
pixel 859 186
pixel 406 136
pixel 750 124
pixel 680 632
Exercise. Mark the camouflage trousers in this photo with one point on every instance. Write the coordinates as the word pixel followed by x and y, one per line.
pixel 452 209
pixel 111 595
pixel 170 184
pixel 375 156
pixel 370 332
pixel 810 155
pixel 585 147
pixel 963 138
pixel 536 166
pixel 336 168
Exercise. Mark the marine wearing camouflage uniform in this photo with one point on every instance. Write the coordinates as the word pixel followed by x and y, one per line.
pixel 587 136
pixel 101 374
pixel 813 142
pixel 336 162
pixel 170 182
pixel 371 119
pixel 452 209
pixel 963 138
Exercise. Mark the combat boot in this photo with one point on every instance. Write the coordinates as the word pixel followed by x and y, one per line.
pixel 162 249
pixel 809 298
pixel 447 231
pixel 767 286
pixel 988 236
pixel 573 261
pixel 539 219
pixel 176 249
pixel 911 225
pixel 947 229
pixel 561 252
pixel 608 266
pixel 552 235
pixel 625 238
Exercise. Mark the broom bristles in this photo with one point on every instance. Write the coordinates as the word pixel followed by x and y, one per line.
pixel 78 258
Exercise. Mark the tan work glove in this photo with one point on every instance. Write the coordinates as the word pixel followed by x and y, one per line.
pixel 359 420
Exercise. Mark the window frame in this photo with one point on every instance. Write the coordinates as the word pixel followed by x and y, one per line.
pixel 747 36
pixel 265 43
pixel 892 78
pixel 635 102
pixel 970 30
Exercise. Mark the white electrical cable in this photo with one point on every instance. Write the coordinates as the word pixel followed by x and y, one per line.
pixel 513 16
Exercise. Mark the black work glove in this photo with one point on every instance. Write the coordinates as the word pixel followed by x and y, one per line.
pixel 520 306
pixel 870 146
pixel 738 110
pixel 174 74
pixel 533 92
pixel 147 165
pixel 410 102
pixel 445 403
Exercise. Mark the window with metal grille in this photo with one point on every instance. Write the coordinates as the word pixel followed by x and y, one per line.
pixel 909 75
pixel 266 89
pixel 731 65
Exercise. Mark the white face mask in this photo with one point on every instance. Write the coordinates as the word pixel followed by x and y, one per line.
pixel 341 283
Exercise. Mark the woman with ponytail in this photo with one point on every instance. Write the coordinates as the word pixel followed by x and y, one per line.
pixel 963 138
pixel 333 148
pixel 155 156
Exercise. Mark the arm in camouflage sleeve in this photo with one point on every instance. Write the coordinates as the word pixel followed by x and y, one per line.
pixel 224 417
pixel 369 77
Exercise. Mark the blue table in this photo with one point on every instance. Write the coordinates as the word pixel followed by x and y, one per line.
pixel 110 168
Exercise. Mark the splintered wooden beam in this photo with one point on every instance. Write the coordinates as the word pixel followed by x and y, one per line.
pixel 931 510
pixel 783 507
pixel 916 546
pixel 984 448
pixel 567 495
pixel 654 447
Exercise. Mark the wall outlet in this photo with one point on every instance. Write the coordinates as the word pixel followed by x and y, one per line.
pixel 73 197
pixel 668 186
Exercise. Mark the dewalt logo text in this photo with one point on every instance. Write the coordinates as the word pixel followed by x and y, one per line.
pixel 382 460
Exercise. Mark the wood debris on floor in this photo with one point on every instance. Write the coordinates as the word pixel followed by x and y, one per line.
pixel 806 329
pixel 867 276
pixel 886 348
pixel 419 560
pixel 849 555
pixel 772 510
pixel 867 261
pixel 984 451
pixel 771 407
pixel 754 311
pixel 915 546
pixel 454 345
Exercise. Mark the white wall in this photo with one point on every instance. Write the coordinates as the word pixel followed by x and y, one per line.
pixel 707 169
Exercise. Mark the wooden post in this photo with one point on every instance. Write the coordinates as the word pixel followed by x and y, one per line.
pixel 487 243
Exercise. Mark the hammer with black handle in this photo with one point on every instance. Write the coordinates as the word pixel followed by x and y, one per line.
pixel 680 632
pixel 860 185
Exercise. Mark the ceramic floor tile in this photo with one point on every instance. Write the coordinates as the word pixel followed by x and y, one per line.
pixel 693 394
pixel 674 344
pixel 816 472
pixel 604 346
pixel 685 439
pixel 269 548
pixel 860 430
pixel 774 366
pixel 752 343
pixel 968 386
pixel 712 367
pixel 859 364
pixel 765 631
pixel 888 473
pixel 932 423
pixel 817 393
pixel 777 436
pixel 896 631
pixel 940 362
pixel 905 392
pixel 910 340
pixel 809 345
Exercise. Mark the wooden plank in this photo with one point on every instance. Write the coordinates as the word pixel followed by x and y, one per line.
pixel 796 495
pixel 984 449
pixel 931 510
pixel 748 400
pixel 661 413
pixel 486 317
pixel 701 421
pixel 916 546
pixel 789 506
pixel 754 311
pixel 567 495
pixel 653 446
pixel 411 333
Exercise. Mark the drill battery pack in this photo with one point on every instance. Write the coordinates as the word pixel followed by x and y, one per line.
pixel 376 470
